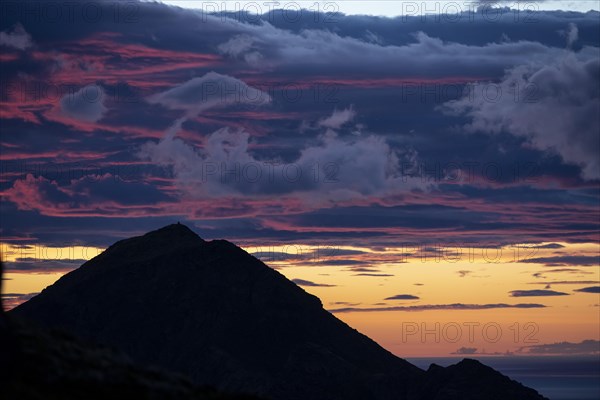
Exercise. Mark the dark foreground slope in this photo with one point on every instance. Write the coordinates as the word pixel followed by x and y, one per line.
pixel 215 313
pixel 51 365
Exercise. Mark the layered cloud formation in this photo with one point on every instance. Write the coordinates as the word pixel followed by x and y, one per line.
pixel 317 128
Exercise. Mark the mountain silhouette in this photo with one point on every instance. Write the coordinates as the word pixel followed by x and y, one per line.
pixel 220 316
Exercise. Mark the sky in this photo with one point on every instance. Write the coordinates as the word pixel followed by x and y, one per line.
pixel 430 173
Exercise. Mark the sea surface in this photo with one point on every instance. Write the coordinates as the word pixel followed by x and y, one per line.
pixel 556 377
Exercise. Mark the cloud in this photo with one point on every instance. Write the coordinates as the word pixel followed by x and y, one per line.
pixel 436 307
pixel 586 347
pixel 11 300
pixel 331 170
pixel 277 256
pixel 402 297
pixel 16 38
pixel 553 106
pixel 363 269
pixel 572 34
pixel 302 282
pixel 466 350
pixel 549 246
pixel 241 47
pixel 318 52
pixel 591 289
pixel 463 273
pixel 561 270
pixel 343 261
pixel 166 58
pixel 343 303
pixel 91 195
pixel 338 118
pixel 87 104
pixel 418 216
pixel 319 256
pixel 35 265
pixel 536 293
pixel 209 91
pixel 373 274
pixel 581 261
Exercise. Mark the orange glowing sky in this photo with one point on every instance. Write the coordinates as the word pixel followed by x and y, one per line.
pixel 475 276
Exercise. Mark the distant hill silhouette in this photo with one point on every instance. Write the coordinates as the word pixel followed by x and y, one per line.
pixel 215 313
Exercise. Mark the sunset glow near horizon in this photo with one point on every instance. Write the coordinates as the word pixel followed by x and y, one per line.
pixel 358 289
pixel 435 183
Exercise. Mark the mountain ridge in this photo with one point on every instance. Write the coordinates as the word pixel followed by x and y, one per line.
pixel 212 311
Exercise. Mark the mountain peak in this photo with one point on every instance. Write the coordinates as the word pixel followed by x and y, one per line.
pixel 174 231
pixel 167 241
pixel 170 236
